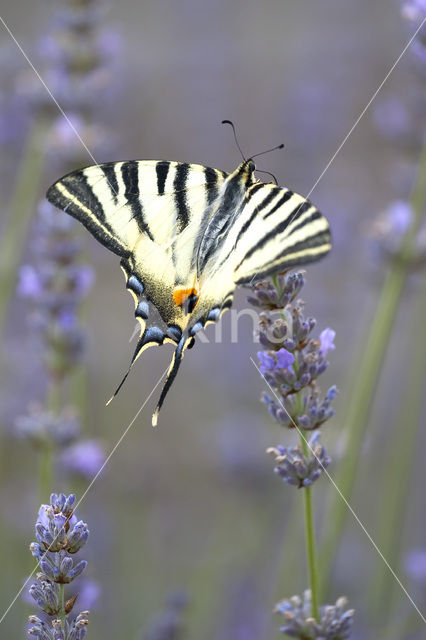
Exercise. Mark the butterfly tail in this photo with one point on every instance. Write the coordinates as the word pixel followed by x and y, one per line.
pixel 184 343
pixel 140 347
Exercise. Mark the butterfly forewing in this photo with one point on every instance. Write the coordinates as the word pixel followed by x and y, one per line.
pixel 278 229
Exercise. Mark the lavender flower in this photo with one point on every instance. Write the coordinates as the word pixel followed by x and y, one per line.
pixel 295 468
pixel 415 565
pixel 77 63
pixel 42 427
pixel 388 232
pixel 55 284
pixel 335 621
pixel 413 10
pixel 291 360
pixel 57 630
pixel 84 458
pixel 60 535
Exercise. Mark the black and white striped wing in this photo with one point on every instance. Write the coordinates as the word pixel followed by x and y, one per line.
pixel 272 229
pixel 142 211
pixel 187 235
pixel 277 229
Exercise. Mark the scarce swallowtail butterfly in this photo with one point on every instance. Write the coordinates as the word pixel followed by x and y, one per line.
pixel 187 235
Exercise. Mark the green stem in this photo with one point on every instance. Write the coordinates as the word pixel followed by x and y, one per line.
pixel 45 473
pixel 53 403
pixel 398 472
pixel 311 556
pixel 62 615
pixel 20 210
pixel 365 382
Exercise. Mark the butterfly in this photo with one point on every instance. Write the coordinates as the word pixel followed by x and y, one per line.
pixel 187 236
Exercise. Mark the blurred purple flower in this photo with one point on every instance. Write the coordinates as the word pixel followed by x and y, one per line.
pixel 400 216
pixel 43 427
pixel 414 9
pixel 84 458
pixel 56 283
pixel 29 283
pixel 326 339
pixel 415 565
pixel 88 593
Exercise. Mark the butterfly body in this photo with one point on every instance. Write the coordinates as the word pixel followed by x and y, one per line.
pixel 187 235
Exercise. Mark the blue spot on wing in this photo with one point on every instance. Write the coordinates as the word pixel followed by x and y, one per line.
pixel 142 310
pixel 214 314
pixel 135 285
pixel 154 334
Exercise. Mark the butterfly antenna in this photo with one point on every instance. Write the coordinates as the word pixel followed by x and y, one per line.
pixel 235 136
pixel 269 174
pixel 279 146
pixel 171 375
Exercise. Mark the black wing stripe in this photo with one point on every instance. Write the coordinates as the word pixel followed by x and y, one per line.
pixel 211 184
pixel 181 204
pixel 112 181
pixel 316 240
pixel 267 200
pixel 80 188
pixel 283 262
pixel 286 196
pixel 100 230
pixel 282 226
pixel 130 175
pixel 315 215
pixel 162 169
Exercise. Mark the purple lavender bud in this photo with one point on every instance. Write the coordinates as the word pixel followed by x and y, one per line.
pixel 332 393
pixel 266 362
pixel 36 550
pixel 77 570
pixel 47 566
pixel 76 630
pixel 78 537
pixel 326 339
pixel 46 594
pixel 63 503
pixel 65 566
pixel 304 421
pixel 284 359
pixel 289 344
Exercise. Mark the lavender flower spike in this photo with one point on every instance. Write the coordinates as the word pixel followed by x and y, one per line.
pixel 59 537
pixel 297 469
pixel 335 621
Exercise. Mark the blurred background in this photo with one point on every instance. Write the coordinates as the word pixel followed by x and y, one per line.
pixel 193 507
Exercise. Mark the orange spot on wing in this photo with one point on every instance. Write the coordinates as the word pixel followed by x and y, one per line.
pixel 180 296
